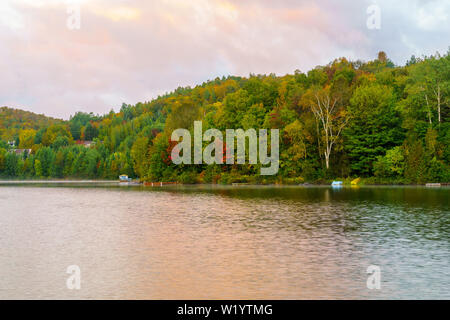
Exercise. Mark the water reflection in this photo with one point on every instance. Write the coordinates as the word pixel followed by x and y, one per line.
pixel 223 242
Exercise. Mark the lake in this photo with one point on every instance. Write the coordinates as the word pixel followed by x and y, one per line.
pixel 223 242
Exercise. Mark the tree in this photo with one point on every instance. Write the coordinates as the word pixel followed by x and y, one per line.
pixel 382 57
pixel 295 148
pixel 38 168
pixel 127 111
pixel 60 142
pixel 68 161
pixel 91 161
pixel 26 138
pixel 75 129
pixel 46 158
pixel 39 135
pixel 183 113
pixel 90 132
pixel 28 168
pixel 433 78
pixel 139 156
pixel 11 165
pixel 391 165
pixel 59 164
pixel 53 132
pixel 79 120
pixel 2 160
pixel 415 166
pixel 332 119
pixel 375 126
pixel 159 157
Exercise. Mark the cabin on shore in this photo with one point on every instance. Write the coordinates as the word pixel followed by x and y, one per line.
pixel 124 178
pixel 337 184
pixel 21 152
pixel 87 144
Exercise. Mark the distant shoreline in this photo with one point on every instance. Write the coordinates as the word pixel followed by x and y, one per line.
pixel 56 181
pixel 116 182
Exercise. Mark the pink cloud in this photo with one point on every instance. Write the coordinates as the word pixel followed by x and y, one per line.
pixel 130 51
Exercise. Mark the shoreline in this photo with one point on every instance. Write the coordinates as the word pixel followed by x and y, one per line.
pixel 235 185
pixel 56 181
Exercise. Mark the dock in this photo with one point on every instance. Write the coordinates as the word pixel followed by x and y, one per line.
pixel 159 184
pixel 433 185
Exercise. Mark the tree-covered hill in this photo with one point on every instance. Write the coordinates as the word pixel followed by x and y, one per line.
pixel 14 120
pixel 386 123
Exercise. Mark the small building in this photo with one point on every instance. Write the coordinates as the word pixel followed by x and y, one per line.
pixel 87 144
pixel 21 152
pixel 124 178
pixel 336 184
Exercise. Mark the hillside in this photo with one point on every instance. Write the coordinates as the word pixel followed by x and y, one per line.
pixel 385 123
pixel 14 120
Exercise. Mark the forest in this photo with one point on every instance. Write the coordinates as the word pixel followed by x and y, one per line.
pixel 384 123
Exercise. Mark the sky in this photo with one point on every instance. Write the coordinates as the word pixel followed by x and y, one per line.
pixel 56 62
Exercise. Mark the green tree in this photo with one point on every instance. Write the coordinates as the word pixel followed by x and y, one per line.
pixel 139 155
pixel 53 132
pixel 415 163
pixel 59 164
pixel 159 158
pixel 46 157
pixel 391 165
pixel 38 168
pixel 374 128
pixel 60 142
pixel 2 160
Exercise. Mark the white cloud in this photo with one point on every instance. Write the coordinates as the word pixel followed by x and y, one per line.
pixel 433 17
pixel 10 18
pixel 129 51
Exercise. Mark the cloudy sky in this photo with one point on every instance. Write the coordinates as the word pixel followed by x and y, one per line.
pixel 131 51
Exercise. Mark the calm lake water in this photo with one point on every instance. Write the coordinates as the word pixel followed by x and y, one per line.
pixel 224 242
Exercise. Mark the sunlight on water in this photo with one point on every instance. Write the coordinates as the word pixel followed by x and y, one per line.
pixel 224 242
